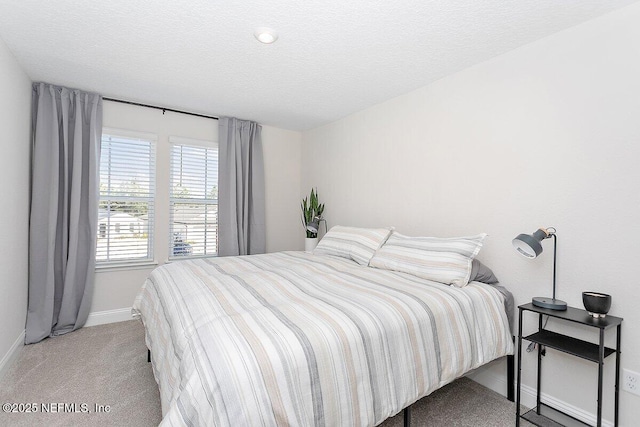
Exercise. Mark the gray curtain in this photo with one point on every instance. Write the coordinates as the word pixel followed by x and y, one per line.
pixel 241 217
pixel 66 134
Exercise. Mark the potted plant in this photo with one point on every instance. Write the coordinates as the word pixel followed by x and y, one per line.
pixel 312 211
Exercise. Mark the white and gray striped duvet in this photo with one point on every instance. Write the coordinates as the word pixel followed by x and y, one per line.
pixel 302 340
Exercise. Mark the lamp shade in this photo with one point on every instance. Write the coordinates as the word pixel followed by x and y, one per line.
pixel 528 245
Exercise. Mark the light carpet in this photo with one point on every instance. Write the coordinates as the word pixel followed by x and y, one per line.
pixel 107 366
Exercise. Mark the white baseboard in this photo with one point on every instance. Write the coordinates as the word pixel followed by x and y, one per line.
pixel 11 355
pixel 109 316
pixel 528 396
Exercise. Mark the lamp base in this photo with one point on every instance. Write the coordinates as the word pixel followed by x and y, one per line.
pixel 550 303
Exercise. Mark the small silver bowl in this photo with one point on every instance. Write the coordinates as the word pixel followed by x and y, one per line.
pixel 596 303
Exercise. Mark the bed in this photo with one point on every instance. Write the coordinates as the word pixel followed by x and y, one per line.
pixel 297 339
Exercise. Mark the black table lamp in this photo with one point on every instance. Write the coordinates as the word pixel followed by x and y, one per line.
pixel 314 225
pixel 528 245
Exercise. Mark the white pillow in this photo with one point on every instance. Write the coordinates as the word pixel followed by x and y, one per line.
pixel 444 260
pixel 358 244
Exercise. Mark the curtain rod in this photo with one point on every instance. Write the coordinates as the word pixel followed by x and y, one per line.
pixel 164 109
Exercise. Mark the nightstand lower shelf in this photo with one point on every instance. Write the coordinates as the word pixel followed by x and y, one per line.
pixel 551 417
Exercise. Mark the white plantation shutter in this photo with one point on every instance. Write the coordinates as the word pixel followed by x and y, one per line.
pixel 193 198
pixel 127 190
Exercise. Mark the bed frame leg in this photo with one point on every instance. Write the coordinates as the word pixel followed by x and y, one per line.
pixel 510 376
pixel 407 416
pixel 148 356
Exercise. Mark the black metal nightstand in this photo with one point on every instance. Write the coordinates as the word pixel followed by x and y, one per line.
pixel 576 347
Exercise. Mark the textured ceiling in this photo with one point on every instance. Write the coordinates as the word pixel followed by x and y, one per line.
pixel 333 57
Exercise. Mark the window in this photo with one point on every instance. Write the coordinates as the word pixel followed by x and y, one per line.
pixel 127 188
pixel 193 199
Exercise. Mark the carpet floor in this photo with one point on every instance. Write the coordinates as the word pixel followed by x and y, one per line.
pixel 99 376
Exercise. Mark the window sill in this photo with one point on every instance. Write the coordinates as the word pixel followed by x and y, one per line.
pixel 104 268
pixel 174 259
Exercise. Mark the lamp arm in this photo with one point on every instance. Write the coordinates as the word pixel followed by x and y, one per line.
pixel 555 241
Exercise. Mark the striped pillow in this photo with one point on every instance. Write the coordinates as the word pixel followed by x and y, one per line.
pixel 358 244
pixel 444 260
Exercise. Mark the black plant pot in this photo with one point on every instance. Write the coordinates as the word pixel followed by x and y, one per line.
pixel 596 304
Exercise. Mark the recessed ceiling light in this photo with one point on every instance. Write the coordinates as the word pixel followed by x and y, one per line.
pixel 265 35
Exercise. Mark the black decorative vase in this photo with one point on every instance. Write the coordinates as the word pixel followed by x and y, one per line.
pixel 596 303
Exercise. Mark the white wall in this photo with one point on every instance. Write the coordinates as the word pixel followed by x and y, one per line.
pixel 546 135
pixel 115 290
pixel 15 123
pixel 282 164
